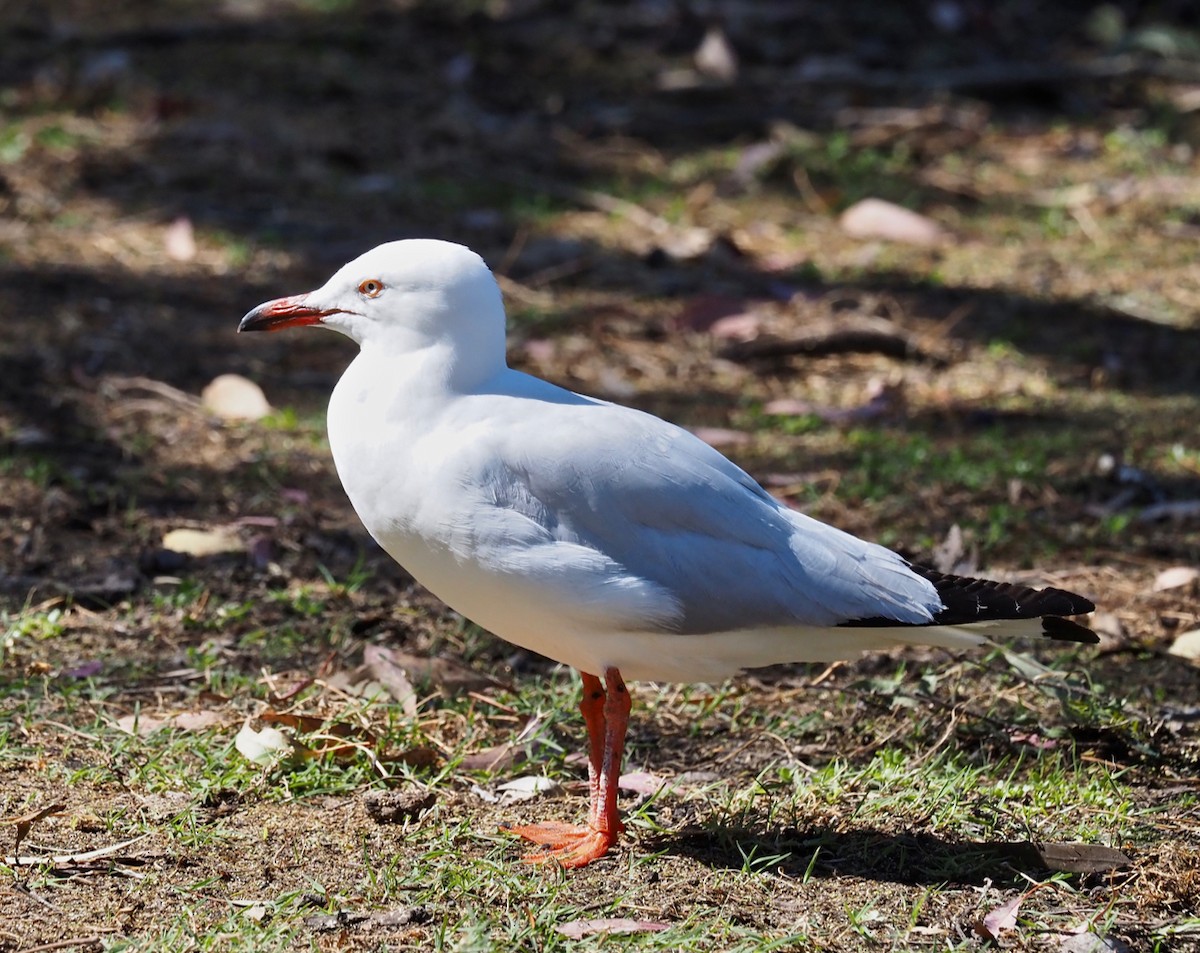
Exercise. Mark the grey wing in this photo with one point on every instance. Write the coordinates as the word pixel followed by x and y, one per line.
pixel 667 508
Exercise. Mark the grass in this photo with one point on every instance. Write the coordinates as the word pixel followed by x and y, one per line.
pixel 878 793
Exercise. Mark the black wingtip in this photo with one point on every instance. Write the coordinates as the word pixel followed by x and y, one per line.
pixel 1058 629
pixel 967 600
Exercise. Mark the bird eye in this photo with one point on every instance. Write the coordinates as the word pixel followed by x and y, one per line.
pixel 370 288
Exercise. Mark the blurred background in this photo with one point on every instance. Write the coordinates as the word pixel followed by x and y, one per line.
pixel 939 251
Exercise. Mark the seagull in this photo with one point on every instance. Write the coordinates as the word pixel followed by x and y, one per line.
pixel 594 534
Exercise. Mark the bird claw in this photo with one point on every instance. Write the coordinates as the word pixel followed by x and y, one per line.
pixel 568 845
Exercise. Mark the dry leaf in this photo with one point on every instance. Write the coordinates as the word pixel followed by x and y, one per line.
pixel 577 929
pixel 142 724
pixel 139 724
pixel 233 397
pixel 527 787
pixel 641 782
pixel 737 327
pixel 356 738
pixel 1187 645
pixel 1175 577
pixel 263 747
pixel 876 218
pixel 422 756
pixel 179 240
pixel 1085 941
pixel 715 57
pixel 202 542
pixel 1112 632
pixel 1000 920
pixel 25 822
pixel 195 720
pixel 489 759
pixel 391 675
pixel 450 677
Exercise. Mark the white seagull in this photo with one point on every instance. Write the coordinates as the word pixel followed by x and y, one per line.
pixel 597 535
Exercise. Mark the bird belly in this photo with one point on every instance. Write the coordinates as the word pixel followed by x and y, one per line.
pixel 519 611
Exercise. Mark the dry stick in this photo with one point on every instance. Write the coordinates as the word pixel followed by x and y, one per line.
pixel 34 860
pixel 173 394
pixel 95 938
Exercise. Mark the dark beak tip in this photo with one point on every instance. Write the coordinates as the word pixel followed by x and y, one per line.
pixel 252 320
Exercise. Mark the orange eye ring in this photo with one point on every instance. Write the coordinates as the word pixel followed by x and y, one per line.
pixel 370 288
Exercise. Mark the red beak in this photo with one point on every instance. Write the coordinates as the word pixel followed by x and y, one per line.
pixel 284 313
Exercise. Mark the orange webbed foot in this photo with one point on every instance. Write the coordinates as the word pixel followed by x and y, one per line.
pixel 568 845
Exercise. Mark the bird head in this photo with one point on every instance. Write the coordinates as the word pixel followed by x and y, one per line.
pixel 403 295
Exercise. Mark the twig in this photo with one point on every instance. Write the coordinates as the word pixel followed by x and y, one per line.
pixel 172 394
pixel 95 938
pixel 83 858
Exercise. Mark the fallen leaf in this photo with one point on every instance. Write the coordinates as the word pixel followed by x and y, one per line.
pixel 179 240
pixel 336 739
pixel 642 782
pixel 1187 645
pixel 1001 919
pixel 715 57
pixel 392 676
pixel 233 397
pixel 1175 577
pixel 449 677
pixel 305 723
pixel 489 759
pixel 685 244
pixel 139 724
pixel 202 542
pixel 527 787
pixel 578 929
pixel 951 554
pixel 422 756
pixel 25 822
pixel 263 747
pixel 737 327
pixel 484 794
pixel 1113 635
pixel 195 720
pixel 1086 941
pixel 876 218
pixel 756 160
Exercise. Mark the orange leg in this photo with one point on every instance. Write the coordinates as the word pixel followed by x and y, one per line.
pixel 606 714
